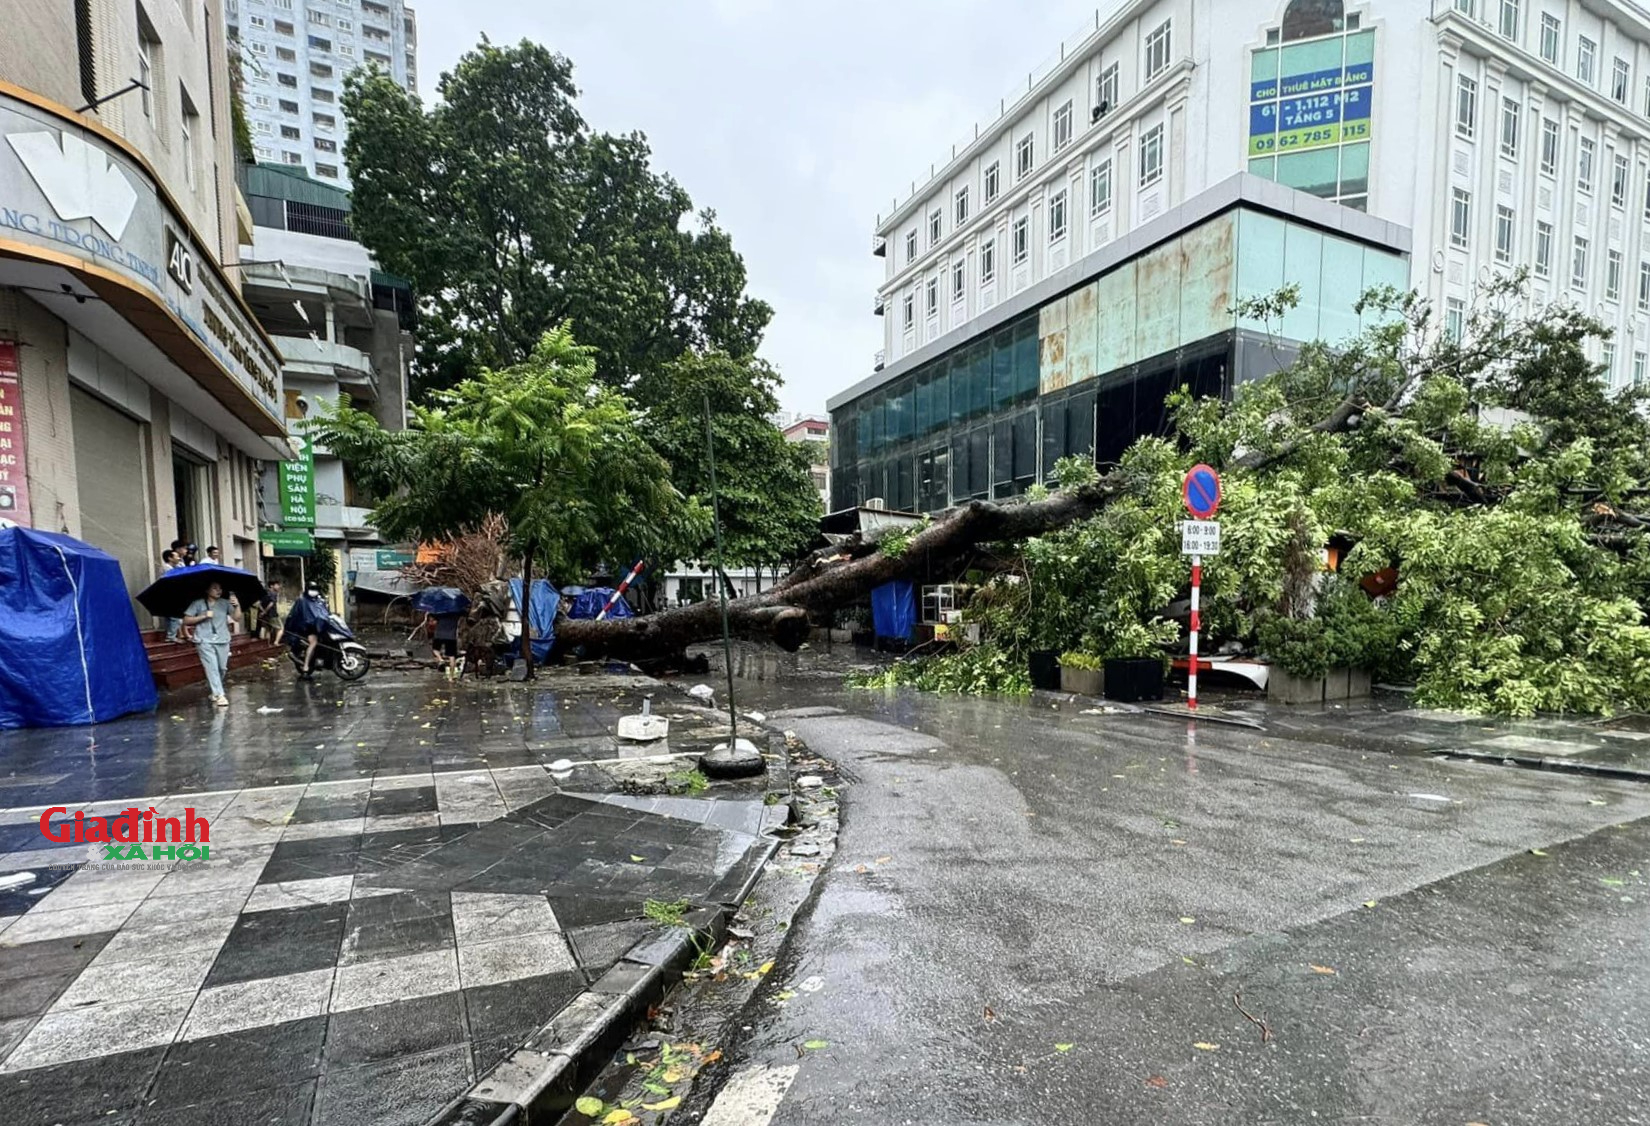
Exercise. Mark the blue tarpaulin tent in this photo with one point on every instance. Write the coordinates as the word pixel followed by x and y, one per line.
pixel 894 609
pixel 541 620
pixel 591 599
pixel 70 650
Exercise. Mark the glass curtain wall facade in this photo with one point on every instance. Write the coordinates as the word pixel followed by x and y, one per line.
pixel 1089 371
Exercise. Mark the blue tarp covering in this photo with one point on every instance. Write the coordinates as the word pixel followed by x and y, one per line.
pixel 894 609
pixel 70 651
pixel 590 601
pixel 541 621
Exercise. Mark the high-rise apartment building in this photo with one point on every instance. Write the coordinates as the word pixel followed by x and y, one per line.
pixel 294 56
pixel 1070 260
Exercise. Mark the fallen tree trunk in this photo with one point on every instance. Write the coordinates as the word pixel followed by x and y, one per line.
pixel 780 615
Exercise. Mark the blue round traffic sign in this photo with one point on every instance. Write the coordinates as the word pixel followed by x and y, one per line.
pixel 1201 491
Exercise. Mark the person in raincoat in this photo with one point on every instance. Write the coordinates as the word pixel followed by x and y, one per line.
pixel 304 620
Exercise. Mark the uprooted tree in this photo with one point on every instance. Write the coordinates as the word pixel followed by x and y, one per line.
pixel 1495 470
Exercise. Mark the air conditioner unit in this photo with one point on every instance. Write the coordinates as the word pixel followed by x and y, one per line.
pixel 1100 111
pixel 875 502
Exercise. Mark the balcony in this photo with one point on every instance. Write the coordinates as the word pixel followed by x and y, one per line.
pixel 879 247
pixel 877 307
pixel 346 518
pixel 328 360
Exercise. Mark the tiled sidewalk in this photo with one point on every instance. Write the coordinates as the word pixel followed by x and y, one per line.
pixel 357 950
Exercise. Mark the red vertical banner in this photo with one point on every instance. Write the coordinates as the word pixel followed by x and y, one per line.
pixel 14 482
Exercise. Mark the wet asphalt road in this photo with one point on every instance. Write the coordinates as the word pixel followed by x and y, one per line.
pixel 1110 883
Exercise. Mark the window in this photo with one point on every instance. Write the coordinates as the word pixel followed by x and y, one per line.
pixel 1105 93
pixel 908 305
pixel 1455 318
pixel 146 67
pixel 1100 188
pixel 292 158
pixel 283 5
pixel 1025 156
pixel 320 70
pixel 1057 216
pixel 189 128
pixel 344 25
pixel 290 133
pixel 330 171
pixel 1151 156
pixel 255 48
pixel 1612 275
pixel 264 127
pixel 1618 181
pixel 959 279
pixel 1543 249
pixel 282 27
pixel 261 101
pixel 1467 7
pixel 935 226
pixel 286 55
pixel 320 17
pixel 1062 127
pixel 1586 49
pixel 992 181
pixel 988 261
pixel 323 144
pixel 1509 127
pixel 1509 19
pixel 257 21
pixel 288 107
pixel 1644 287
pixel 1549 146
pixel 1466 107
pixel 961 209
pixel 1584 165
pixel 1550 33
pixel 1578 264
pixel 1638 369
pixel 287 80
pixel 1157 50
pixel 932 294
pixel 1619 80
pixel 321 94
pixel 1503 234
pixel 1021 239
pixel 323 120
pixel 910 246
pixel 1607 360
pixel 1460 217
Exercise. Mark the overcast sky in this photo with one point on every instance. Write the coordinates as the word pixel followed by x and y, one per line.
pixel 797 121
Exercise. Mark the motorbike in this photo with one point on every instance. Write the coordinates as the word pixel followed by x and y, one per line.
pixel 338 650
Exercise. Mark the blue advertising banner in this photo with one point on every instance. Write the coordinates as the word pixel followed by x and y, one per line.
pixel 1307 109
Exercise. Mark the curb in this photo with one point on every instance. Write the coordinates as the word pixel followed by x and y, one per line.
pixel 538 1083
pixel 1556 765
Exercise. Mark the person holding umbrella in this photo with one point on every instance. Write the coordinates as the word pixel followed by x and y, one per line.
pixel 214 623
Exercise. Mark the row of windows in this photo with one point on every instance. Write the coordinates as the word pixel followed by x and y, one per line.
pixel 1506 223
pixel 1059 217
pixel 1158 50
pixel 1100 193
pixel 1508 21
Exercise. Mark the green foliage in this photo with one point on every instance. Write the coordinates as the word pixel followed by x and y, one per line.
pixel 897 542
pixel 1497 474
pixel 541 444
pixel 322 567
pixel 666 913
pixel 1076 660
pixel 687 782
pixel 510 217
pixel 769 506
pixel 979 670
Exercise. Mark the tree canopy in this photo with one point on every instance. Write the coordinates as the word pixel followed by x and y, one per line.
pixel 510 217
pixel 541 443
pixel 770 509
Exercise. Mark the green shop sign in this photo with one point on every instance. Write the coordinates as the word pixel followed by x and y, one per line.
pixel 390 560
pixel 298 486
pixel 282 542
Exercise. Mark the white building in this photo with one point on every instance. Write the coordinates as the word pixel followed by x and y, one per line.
pixel 1500 133
pixel 294 56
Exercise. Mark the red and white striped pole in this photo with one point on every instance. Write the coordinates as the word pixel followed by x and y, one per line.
pixel 624 586
pixel 1191 668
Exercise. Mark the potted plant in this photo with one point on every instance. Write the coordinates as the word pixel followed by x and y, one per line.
pixel 1080 674
pixel 1134 664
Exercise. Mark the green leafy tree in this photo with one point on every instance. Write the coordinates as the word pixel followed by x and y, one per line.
pixel 769 506
pixel 510 217
pixel 541 443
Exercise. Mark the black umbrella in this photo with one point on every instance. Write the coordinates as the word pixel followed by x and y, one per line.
pixel 170 595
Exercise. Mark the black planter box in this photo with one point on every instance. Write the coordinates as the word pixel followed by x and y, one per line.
pixel 1045 670
pixel 1131 679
